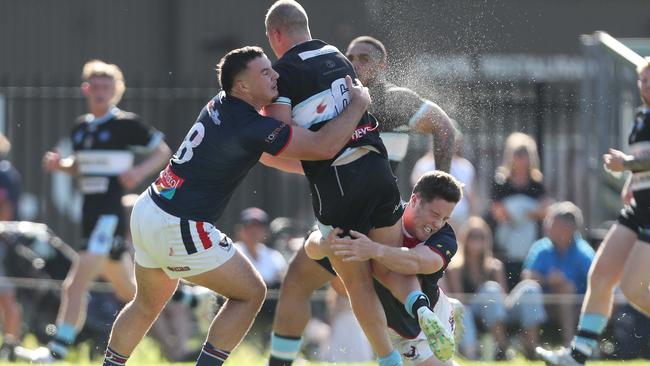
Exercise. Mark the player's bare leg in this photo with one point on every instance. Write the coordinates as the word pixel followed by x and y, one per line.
pixel 154 288
pixel 120 274
pixel 293 310
pixel 604 274
pixel 357 278
pixel 636 277
pixel 245 291
pixel 73 301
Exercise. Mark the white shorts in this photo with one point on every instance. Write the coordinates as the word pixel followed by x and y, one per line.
pixel 182 248
pixel 415 351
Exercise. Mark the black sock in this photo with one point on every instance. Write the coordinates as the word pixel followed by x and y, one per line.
pixel 578 352
pixel 274 361
pixel 421 301
pixel 211 356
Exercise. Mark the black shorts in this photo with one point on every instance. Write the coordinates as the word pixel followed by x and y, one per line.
pixel 638 220
pixel 103 234
pixel 360 196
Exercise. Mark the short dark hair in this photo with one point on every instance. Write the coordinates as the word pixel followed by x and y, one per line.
pixel 438 184
pixel 235 62
pixel 374 42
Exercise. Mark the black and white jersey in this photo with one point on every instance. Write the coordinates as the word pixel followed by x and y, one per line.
pixel 312 83
pixel 442 242
pixel 104 148
pixel 226 141
pixel 639 141
pixel 397 109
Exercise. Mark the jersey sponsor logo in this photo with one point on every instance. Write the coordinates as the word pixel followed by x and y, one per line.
pixel 412 354
pixel 179 268
pixel 362 131
pixel 225 243
pixel 167 183
pixel 321 108
pixel 330 64
pixel 274 134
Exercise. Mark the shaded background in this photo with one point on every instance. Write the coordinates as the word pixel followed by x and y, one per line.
pixel 495 66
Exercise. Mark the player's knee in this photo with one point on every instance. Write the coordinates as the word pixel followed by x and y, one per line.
pixel 258 293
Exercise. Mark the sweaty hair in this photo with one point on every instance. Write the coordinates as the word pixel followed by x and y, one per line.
pixel 288 16
pixel 374 42
pixel 99 68
pixel 438 184
pixel 235 62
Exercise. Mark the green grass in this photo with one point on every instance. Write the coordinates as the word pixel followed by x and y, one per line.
pixel 148 354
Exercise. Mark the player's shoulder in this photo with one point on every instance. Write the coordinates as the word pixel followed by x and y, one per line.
pixel 126 116
pixel 399 90
pixel 445 236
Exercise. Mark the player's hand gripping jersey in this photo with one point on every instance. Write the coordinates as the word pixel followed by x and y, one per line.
pixel 352 190
pixel 312 83
pixel 226 141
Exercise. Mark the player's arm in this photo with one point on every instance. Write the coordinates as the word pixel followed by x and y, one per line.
pixel 325 143
pixel 619 161
pixel 431 119
pixel 52 162
pixel 285 165
pixel 409 261
pixel 156 159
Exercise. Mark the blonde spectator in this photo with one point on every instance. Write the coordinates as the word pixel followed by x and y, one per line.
pixel 519 202
pixel 476 271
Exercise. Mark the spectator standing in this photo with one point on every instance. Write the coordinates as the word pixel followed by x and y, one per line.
pixel 519 202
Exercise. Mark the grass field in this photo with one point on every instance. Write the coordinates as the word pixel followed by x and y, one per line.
pixel 147 354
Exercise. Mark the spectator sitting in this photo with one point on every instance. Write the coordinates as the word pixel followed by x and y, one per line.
pixel 252 230
pixel 560 262
pixel 475 270
pixel 518 203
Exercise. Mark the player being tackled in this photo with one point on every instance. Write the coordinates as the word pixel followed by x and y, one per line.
pixel 423 333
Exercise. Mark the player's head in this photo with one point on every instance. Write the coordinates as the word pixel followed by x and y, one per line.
pixel 433 199
pixel 102 83
pixel 247 74
pixel 475 241
pixel 520 156
pixel 368 56
pixel 644 81
pixel 562 221
pixel 286 25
